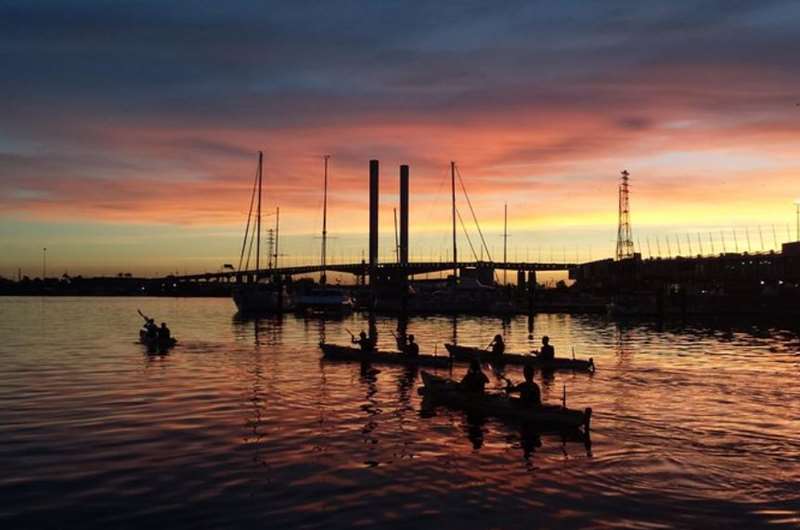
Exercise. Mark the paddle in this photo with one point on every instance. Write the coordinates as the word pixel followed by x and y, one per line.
pixel 509 382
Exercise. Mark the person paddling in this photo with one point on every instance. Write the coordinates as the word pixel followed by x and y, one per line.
pixel 474 380
pixel 164 334
pixel 498 346
pixel 412 348
pixel 547 353
pixel 365 343
pixel 151 328
pixel 529 392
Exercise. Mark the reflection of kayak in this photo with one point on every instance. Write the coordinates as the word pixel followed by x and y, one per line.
pixel 448 392
pixel 154 343
pixel 465 353
pixel 334 352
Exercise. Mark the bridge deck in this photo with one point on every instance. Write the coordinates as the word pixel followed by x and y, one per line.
pixel 383 268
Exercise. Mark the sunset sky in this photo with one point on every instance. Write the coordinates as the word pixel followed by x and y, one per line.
pixel 129 131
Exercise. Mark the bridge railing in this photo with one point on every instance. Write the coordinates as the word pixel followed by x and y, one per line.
pixel 363 269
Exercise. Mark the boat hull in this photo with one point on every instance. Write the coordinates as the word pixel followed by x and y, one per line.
pixel 448 392
pixel 334 352
pixel 465 353
pixel 260 299
pixel 156 344
pixel 327 302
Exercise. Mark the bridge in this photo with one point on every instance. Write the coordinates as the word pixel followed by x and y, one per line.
pixel 402 268
pixel 362 269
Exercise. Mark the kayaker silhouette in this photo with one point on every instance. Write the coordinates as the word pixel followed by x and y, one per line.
pixel 366 343
pixel 529 392
pixel 164 333
pixel 547 353
pixel 151 328
pixel 498 346
pixel 412 348
pixel 474 380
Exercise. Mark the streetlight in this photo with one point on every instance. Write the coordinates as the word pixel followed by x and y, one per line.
pixel 44 263
pixel 797 212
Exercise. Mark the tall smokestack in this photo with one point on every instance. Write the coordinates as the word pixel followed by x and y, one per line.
pixel 404 214
pixel 373 219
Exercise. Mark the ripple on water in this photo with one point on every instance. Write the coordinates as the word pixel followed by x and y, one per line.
pixel 243 425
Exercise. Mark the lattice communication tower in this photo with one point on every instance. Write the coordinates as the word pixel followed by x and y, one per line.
pixel 624 237
pixel 270 247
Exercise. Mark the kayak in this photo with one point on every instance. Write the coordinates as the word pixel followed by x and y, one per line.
pixel 335 352
pixel 465 353
pixel 156 344
pixel 449 392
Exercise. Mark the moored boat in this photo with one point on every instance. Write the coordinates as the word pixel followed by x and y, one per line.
pixel 259 298
pixel 466 353
pixel 335 352
pixel 324 299
pixel 448 392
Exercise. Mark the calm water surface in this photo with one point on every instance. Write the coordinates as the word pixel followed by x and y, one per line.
pixel 242 425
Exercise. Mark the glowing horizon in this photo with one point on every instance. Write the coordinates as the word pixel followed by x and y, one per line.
pixel 123 148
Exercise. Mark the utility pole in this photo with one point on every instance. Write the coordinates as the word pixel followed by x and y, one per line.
pixel 797 215
pixel 270 246
pixel 44 263
pixel 774 238
pixel 505 243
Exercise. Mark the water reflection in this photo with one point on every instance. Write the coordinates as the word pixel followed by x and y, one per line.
pixel 474 429
pixel 702 411
pixel 368 379
pixel 529 441
pixel 254 437
pixel 266 329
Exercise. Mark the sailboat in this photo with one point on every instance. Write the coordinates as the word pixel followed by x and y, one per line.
pixel 461 293
pixel 324 297
pixel 258 296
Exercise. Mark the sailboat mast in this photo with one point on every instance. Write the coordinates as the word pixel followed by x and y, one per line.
pixel 323 260
pixel 258 215
pixel 396 242
pixel 505 242
pixel 277 228
pixel 453 193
